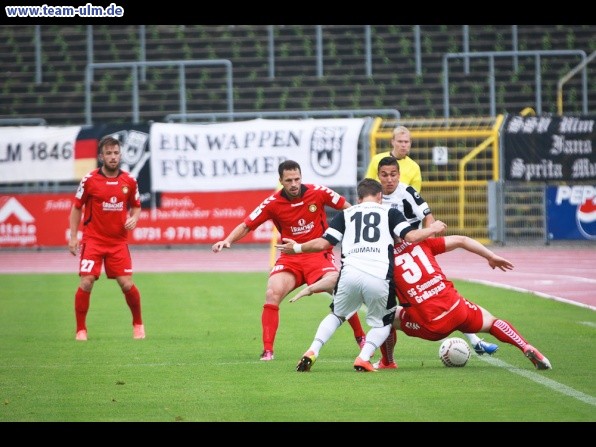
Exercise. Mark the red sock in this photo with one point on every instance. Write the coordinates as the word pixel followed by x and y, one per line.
pixel 506 333
pixel 133 299
pixel 388 347
pixel 270 323
pixel 354 321
pixel 82 299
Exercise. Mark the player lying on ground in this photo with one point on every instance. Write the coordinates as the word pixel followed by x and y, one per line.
pixel 431 308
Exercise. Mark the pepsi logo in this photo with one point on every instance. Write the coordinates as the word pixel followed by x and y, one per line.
pixel 586 218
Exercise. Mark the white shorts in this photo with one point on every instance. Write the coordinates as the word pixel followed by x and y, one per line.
pixel 355 288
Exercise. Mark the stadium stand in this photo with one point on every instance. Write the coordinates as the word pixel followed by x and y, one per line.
pixel 395 81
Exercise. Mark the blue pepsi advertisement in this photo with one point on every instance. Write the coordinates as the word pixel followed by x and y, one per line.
pixel 571 212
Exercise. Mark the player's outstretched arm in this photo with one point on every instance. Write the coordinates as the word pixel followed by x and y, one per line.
pixel 290 246
pixel 237 233
pixel 304 292
pixel 428 220
pixel 420 234
pixel 325 284
pixel 473 246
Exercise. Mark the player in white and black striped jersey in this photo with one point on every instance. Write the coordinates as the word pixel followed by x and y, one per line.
pixel 402 196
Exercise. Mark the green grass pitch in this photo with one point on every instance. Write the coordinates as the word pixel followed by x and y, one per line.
pixel 200 360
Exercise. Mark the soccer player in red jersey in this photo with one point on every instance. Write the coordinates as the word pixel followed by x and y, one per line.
pixel 112 206
pixel 298 213
pixel 431 308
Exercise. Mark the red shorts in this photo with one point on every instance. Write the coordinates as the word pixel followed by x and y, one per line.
pixel 465 317
pixel 306 267
pixel 116 258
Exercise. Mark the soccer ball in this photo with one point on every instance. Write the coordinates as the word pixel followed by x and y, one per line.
pixel 454 351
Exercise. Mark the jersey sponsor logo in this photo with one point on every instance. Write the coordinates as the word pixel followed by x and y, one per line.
pixel 301 229
pixel 431 292
pixel 429 289
pixel 113 205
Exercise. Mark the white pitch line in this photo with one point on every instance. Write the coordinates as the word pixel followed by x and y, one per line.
pixel 533 292
pixel 542 380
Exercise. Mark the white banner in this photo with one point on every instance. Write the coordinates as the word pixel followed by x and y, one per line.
pixel 245 155
pixel 37 153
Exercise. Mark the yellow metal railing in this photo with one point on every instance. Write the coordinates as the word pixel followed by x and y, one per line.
pixel 457 190
pixel 567 77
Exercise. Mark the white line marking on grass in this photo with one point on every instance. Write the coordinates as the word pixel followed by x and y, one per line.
pixel 588 323
pixel 540 379
pixel 533 292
